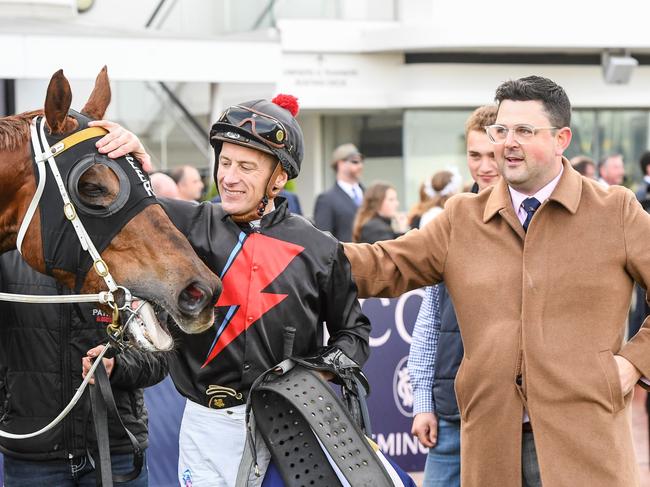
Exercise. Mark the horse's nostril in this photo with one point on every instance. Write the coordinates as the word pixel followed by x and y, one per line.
pixel 192 299
pixel 194 292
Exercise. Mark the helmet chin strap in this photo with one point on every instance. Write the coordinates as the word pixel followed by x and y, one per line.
pixel 270 193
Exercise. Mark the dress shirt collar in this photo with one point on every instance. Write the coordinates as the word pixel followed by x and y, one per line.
pixel 541 196
pixel 347 187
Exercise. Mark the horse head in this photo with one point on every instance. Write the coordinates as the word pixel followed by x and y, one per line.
pixel 136 242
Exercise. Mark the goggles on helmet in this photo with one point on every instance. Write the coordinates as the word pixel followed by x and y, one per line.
pixel 264 127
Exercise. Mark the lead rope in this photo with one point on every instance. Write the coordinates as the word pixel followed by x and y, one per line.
pixel 67 409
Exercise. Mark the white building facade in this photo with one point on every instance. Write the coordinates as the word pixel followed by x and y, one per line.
pixel 396 77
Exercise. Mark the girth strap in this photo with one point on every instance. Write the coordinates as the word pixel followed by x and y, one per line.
pixel 300 417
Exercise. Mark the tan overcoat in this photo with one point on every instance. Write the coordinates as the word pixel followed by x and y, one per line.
pixel 546 310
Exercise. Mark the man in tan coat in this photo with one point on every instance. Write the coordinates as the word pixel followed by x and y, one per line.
pixel 541 289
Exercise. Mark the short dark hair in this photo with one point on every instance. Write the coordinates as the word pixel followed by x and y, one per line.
pixel 581 162
pixel 536 88
pixel 177 174
pixel 644 162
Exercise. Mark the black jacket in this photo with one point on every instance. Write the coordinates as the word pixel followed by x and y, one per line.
pixel 376 229
pixel 334 212
pixel 284 273
pixel 41 347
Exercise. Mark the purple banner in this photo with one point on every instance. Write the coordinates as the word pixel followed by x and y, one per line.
pixel 391 397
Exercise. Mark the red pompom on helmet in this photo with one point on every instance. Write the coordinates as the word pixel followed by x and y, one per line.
pixel 288 102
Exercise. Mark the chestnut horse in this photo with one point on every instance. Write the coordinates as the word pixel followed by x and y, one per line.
pixel 144 252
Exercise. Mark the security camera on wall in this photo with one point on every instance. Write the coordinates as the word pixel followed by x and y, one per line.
pixel 618 68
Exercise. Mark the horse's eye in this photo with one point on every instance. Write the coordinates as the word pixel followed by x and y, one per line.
pixel 92 190
pixel 98 187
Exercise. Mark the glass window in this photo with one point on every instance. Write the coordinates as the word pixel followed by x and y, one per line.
pixel 172 140
pixel 434 140
pixel 585 138
pixel 624 132
pixel 378 136
pixel 599 133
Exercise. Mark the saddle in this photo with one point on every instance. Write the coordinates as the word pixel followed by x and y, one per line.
pixel 313 436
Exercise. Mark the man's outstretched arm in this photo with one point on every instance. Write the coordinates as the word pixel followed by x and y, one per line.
pixel 392 267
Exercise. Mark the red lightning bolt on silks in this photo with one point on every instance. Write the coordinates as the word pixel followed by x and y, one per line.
pixel 260 261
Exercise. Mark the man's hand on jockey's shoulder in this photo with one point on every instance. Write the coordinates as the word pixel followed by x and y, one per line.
pixel 425 427
pixel 87 362
pixel 119 142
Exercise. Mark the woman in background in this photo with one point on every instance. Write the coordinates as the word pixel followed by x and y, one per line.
pixel 443 185
pixel 377 215
pixel 416 211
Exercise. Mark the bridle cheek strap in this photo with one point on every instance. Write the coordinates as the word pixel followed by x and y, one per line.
pixel 42 153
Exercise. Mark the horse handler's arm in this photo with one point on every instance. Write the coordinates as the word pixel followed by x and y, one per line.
pixel 135 369
pixel 119 142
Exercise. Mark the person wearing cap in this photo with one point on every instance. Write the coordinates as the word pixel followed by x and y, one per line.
pixel 282 278
pixel 336 208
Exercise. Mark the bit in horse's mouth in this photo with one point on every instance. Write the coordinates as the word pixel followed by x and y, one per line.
pixel 148 327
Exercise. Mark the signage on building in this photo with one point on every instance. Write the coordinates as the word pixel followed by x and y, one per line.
pixel 342 81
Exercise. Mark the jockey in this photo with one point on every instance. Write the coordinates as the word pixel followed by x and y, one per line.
pixel 282 278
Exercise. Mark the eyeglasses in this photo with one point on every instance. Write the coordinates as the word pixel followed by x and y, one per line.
pixel 263 126
pixel 522 133
pixel 355 160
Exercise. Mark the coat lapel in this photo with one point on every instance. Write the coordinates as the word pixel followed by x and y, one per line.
pixel 499 202
pixel 567 193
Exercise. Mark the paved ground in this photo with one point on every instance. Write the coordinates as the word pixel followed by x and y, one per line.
pixel 640 430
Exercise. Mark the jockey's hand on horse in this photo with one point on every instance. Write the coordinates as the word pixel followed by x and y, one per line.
pixel 87 362
pixel 425 427
pixel 119 142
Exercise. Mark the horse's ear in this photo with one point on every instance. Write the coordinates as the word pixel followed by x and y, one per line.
pixel 99 98
pixel 57 103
